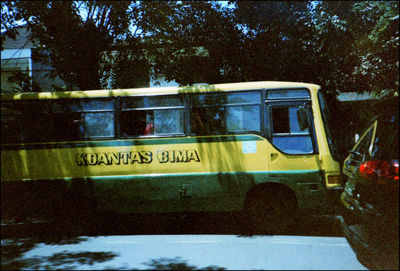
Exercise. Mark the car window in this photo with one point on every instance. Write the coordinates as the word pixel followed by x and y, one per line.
pixel 364 144
pixel 386 142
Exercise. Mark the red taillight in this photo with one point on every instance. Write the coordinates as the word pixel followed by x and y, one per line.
pixel 383 172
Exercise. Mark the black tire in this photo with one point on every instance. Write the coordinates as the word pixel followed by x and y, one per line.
pixel 269 212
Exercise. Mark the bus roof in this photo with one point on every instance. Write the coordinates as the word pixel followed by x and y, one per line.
pixel 159 90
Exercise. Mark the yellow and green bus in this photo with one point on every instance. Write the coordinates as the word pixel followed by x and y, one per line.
pixel 261 147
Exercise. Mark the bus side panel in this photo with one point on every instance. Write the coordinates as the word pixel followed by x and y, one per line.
pixel 174 193
pixel 163 156
pixel 168 175
pixel 157 194
pixel 305 171
pixel 144 178
pixel 203 192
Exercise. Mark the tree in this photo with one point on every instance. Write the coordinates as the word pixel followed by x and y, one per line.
pixel 73 44
pixel 115 43
pixel 359 40
pixel 276 40
pixel 332 40
pixel 358 43
pixel 129 65
pixel 331 43
pixel 380 46
pixel 343 46
pixel 191 42
pixel 9 18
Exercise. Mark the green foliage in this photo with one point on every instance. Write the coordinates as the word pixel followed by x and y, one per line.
pixel 23 82
pixel 380 46
pixel 275 45
pixel 72 44
pixel 191 41
pixel 359 41
pixel 9 17
pixel 131 68
pixel 341 45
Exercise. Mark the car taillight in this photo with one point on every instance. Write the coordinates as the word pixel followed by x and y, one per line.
pixel 383 172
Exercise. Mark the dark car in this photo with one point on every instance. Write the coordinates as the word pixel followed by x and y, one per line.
pixel 371 195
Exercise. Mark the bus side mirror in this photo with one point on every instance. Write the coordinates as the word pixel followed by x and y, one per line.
pixel 302 118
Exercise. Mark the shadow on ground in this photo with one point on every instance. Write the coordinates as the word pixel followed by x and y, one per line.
pixel 112 224
pixel 18 238
pixel 12 251
pixel 176 264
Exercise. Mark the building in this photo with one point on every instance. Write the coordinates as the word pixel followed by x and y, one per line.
pixel 16 58
pixel 354 96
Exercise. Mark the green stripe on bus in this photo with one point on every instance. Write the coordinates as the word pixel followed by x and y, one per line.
pixel 300 176
pixel 131 142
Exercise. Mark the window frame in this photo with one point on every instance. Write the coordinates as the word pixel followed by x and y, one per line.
pixel 47 109
pixel 182 107
pixel 289 102
pixel 367 137
pixel 226 105
pixel 186 107
pixel 83 112
pixel 17 114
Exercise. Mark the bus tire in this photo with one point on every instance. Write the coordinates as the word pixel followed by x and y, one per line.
pixel 269 212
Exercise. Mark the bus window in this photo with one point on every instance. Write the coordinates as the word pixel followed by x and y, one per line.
pixel 198 121
pixel 67 126
pixel 157 101
pixel 218 113
pixel 83 118
pixel 97 117
pixel 168 121
pixel 29 121
pixel 133 123
pixel 282 94
pixel 143 116
pixel 208 120
pixel 243 118
pixel 244 97
pixel 280 120
pixel 99 124
pixel 286 133
pixel 11 125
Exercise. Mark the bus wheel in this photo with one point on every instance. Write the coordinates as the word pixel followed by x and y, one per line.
pixel 269 212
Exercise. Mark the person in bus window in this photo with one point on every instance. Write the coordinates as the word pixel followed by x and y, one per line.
pixel 149 130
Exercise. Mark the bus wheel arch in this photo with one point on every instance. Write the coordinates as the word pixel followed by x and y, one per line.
pixel 269 208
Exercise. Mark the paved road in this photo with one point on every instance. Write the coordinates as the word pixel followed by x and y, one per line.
pixel 215 252
pixel 211 242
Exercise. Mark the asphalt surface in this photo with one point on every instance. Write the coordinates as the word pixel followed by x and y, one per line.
pixel 190 241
